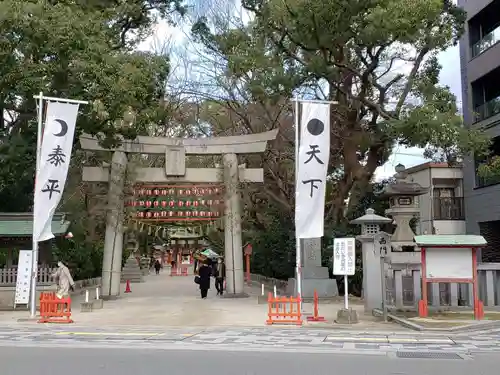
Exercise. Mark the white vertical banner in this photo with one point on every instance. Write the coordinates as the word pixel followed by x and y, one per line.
pixel 24 267
pixel 313 158
pixel 55 155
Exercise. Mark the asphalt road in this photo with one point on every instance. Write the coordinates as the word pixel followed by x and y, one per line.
pixel 122 361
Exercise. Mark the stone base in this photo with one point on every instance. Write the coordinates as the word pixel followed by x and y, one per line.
pixel 109 298
pixel 235 295
pixel 97 304
pixel 347 316
pixel 86 307
pixel 326 288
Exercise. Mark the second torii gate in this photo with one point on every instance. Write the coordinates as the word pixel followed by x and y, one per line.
pixel 175 151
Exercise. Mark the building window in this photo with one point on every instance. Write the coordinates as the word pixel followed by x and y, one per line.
pixel 484 29
pixel 494 151
pixel 486 96
pixel 447 206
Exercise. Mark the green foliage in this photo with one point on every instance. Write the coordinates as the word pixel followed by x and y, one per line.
pixel 17 158
pixel 490 170
pixel 83 258
pixel 274 248
pixel 375 58
pixel 79 50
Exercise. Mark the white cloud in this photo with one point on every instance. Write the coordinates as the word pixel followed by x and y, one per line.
pixel 164 33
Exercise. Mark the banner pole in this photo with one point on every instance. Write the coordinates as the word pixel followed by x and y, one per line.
pixel 34 266
pixel 298 255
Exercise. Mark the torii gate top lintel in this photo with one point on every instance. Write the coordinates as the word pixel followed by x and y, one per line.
pixel 238 144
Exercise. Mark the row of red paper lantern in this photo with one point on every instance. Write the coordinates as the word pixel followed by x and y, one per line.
pixel 172 203
pixel 165 214
pixel 178 191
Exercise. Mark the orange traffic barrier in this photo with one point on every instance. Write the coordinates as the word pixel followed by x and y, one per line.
pixel 315 317
pixel 127 287
pixel 284 310
pixel 53 309
pixel 479 312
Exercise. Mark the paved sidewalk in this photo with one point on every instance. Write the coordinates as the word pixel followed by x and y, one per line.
pixel 248 339
pixel 163 301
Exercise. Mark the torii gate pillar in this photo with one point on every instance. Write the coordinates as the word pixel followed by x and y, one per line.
pixel 233 254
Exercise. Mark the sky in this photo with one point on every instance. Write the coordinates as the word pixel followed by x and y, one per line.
pixel 409 157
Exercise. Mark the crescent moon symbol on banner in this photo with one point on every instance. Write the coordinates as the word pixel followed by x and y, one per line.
pixel 64 128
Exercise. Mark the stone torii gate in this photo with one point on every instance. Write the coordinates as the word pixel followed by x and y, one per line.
pixel 175 151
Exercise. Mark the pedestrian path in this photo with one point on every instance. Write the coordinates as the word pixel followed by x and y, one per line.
pixel 163 301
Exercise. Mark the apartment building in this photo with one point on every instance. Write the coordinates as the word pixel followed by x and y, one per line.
pixel 441 209
pixel 480 73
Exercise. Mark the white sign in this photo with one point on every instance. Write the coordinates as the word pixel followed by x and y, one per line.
pixel 448 263
pixel 344 256
pixel 23 281
pixel 55 154
pixel 313 158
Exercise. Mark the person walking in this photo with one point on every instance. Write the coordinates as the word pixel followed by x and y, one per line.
pixel 157 266
pixel 204 279
pixel 220 276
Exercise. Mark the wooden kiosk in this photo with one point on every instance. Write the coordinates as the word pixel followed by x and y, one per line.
pixel 449 259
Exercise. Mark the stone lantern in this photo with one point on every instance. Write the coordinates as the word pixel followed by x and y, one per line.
pixel 403 206
pixel 372 272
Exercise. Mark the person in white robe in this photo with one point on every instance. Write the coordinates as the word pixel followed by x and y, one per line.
pixel 63 279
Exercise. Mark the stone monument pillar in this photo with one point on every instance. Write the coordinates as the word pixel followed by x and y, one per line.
pixel 233 252
pixel 372 270
pixel 314 276
pixel 113 241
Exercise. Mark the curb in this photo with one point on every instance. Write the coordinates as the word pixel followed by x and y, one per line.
pixel 486 325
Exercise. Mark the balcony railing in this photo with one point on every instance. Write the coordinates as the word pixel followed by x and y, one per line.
pixel 488 41
pixel 487 109
pixel 449 208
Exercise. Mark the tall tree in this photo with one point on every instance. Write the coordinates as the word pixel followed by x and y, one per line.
pixel 80 50
pixel 376 58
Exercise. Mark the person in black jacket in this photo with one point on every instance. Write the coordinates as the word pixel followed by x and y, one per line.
pixel 204 281
pixel 157 266
pixel 220 276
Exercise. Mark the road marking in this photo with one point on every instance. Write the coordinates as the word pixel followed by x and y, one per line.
pixel 351 338
pixel 390 340
pixel 110 333
pixel 396 340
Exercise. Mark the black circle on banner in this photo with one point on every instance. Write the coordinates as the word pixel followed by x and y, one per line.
pixel 315 127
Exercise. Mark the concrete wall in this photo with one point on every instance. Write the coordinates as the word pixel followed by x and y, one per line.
pixel 480 204
pixel 483 63
pixel 473 7
pixel 450 227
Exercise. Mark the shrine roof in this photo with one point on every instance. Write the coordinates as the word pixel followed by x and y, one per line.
pixel 21 224
pixel 458 240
